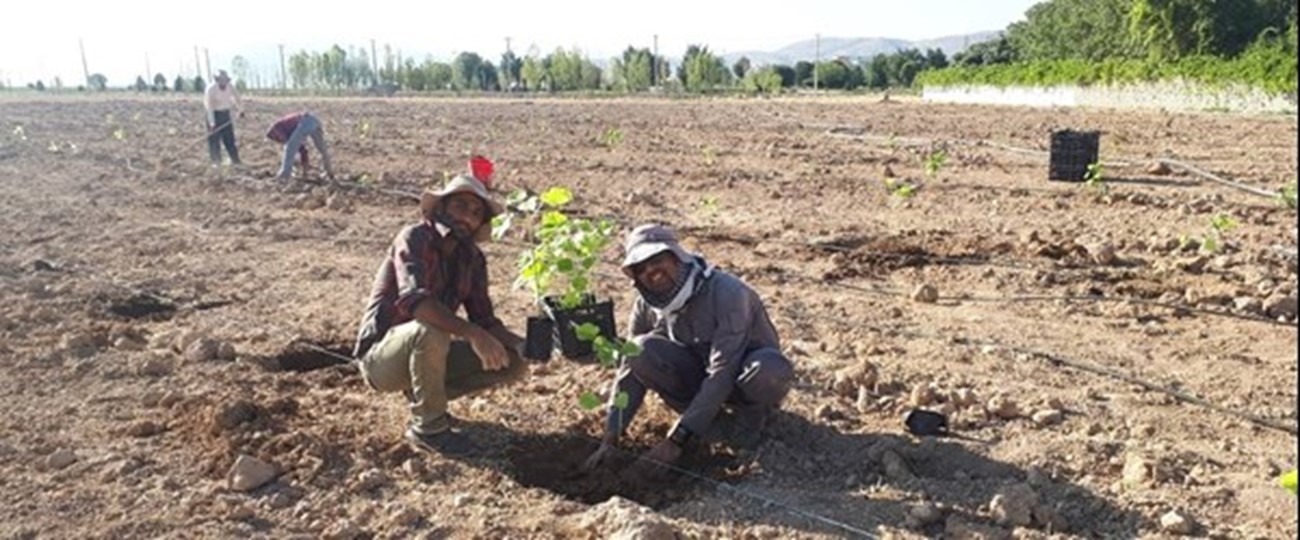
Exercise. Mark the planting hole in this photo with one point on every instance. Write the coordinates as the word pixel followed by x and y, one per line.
pixel 553 462
pixel 142 306
pixel 303 356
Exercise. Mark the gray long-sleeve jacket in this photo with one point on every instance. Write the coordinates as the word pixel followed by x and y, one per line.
pixel 720 324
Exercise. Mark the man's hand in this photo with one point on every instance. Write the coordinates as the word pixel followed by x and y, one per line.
pixel 489 350
pixel 599 457
pixel 653 464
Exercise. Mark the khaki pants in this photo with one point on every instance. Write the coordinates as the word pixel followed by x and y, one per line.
pixel 433 368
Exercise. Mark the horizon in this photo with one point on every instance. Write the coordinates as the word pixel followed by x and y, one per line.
pixel 42 44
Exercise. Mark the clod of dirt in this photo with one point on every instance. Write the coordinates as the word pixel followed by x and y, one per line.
pixel 1048 417
pixel 202 350
pixel 896 468
pixel 1014 506
pixel 304 357
pixel 960 529
pixel 848 380
pixel 1158 168
pixel 60 459
pixel 370 480
pixel 925 294
pixel 144 428
pixel 631 521
pixel 156 367
pixel 923 394
pixel 1281 307
pixel 128 343
pixel 403 516
pixel 80 344
pixel 225 351
pixel 232 415
pixel 1248 305
pixel 1178 523
pixel 1103 254
pixel 923 515
pixel 249 473
pixel 964 397
pixel 1004 408
pixel 1136 472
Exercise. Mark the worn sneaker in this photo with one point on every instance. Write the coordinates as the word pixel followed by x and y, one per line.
pixel 448 443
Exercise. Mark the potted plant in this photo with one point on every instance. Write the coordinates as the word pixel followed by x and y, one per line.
pixel 557 270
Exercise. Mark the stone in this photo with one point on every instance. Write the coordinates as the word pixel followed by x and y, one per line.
pixel 923 394
pixel 864 403
pixel 185 339
pixel 232 415
pixel 1103 254
pixel 249 473
pixel 1136 472
pixel 1014 506
pixel 848 380
pixel 370 480
pixel 128 343
pixel 1004 408
pixel 1178 523
pixel 225 351
pixel 60 459
pixel 923 515
pixel 896 467
pixel 1248 305
pixel 144 428
pixel 202 350
pixel 1048 417
pixel 964 397
pixel 1050 519
pixel 156 367
pixel 1280 307
pixel 1158 168
pixel 925 294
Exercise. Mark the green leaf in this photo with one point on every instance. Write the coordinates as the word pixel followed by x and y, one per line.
pixel 607 355
pixel 553 219
pixel 530 205
pixel 516 197
pixel 564 265
pixel 589 401
pixel 579 284
pixel 556 197
pixel 621 400
pixel 586 331
pixel 630 348
pixel 501 225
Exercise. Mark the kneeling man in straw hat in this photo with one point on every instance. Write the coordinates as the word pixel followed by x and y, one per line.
pixel 411 339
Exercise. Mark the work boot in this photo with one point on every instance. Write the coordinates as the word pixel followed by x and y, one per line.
pixel 447 442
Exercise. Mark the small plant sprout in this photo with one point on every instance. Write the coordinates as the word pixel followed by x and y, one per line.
pixel 611 353
pixel 119 133
pixel 935 162
pixel 1220 225
pixel 363 129
pixel 893 141
pixel 610 138
pixel 709 205
pixel 710 156
pixel 1095 179
pixel 901 189
pixel 20 133
pixel 53 148
pixel 1286 196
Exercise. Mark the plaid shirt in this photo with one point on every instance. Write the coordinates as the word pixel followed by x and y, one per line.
pixel 416 269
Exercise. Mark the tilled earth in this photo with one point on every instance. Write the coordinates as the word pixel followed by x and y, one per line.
pixel 155 309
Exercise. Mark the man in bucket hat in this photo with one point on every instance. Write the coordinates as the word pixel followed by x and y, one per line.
pixel 220 101
pixel 411 339
pixel 707 347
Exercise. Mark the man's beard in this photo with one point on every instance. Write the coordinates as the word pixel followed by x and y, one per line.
pixel 457 231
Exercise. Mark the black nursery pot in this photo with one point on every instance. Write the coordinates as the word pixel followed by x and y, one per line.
pixel 600 314
pixel 540 339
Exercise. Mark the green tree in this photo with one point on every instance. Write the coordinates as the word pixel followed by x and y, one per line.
pixel 741 67
pixel 702 71
pixel 510 70
pixel 466 71
pixel 533 73
pixel 803 72
pixel 98 82
pixel 178 85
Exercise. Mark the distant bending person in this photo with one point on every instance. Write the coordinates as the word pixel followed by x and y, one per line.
pixel 292 131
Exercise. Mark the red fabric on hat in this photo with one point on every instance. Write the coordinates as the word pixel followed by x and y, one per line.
pixel 481 168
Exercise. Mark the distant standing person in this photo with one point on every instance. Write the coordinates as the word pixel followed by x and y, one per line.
pixel 292 131
pixel 220 101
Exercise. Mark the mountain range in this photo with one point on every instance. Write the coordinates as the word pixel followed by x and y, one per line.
pixel 853 48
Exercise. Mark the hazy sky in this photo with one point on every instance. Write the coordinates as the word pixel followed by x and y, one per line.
pixel 38 38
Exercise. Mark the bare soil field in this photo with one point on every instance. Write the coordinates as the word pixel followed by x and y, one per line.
pixel 152 309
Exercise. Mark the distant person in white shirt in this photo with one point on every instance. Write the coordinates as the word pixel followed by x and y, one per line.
pixel 220 100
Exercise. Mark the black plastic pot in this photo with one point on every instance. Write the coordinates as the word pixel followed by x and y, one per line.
pixel 1072 153
pixel 539 342
pixel 600 314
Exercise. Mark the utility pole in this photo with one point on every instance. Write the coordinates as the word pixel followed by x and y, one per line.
pixel 198 66
pixel 374 63
pixel 654 64
pixel 284 78
pixel 817 61
pixel 207 63
pixel 148 70
pixel 85 68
